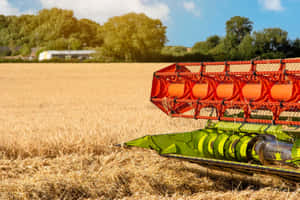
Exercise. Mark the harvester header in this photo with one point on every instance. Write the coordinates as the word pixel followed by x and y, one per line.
pixel 184 89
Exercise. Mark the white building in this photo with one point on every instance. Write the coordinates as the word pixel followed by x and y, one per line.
pixel 78 54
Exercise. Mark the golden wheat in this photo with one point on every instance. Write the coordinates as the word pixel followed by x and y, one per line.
pixel 58 125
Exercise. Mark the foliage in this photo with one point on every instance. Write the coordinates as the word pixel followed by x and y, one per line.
pixel 174 50
pixel 246 49
pixel 240 44
pixel 205 46
pixel 271 43
pixel 295 49
pixel 237 28
pixel 133 37
pixel 219 52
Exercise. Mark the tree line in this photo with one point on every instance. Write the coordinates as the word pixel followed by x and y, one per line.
pixel 136 37
pixel 131 37
pixel 242 43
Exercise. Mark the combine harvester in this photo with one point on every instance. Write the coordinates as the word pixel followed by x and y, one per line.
pixel 251 108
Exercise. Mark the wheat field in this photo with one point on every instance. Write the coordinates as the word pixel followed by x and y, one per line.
pixel 59 124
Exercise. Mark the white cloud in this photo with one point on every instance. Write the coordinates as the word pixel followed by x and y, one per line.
pixel 274 5
pixel 7 9
pixel 101 10
pixel 191 7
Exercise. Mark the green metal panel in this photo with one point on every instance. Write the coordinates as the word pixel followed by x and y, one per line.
pixel 223 140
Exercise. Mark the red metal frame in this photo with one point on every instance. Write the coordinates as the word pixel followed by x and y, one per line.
pixel 180 74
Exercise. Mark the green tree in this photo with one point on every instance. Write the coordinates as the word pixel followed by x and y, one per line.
pixel 25 50
pixel 295 50
pixel 3 22
pixel 58 44
pixel 174 50
pixel 219 52
pixel 205 46
pixel 246 49
pixel 237 28
pixel 55 23
pixel 271 43
pixel 90 33
pixel 133 37
pixel 74 44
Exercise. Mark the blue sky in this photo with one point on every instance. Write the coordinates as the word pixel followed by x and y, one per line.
pixel 188 21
